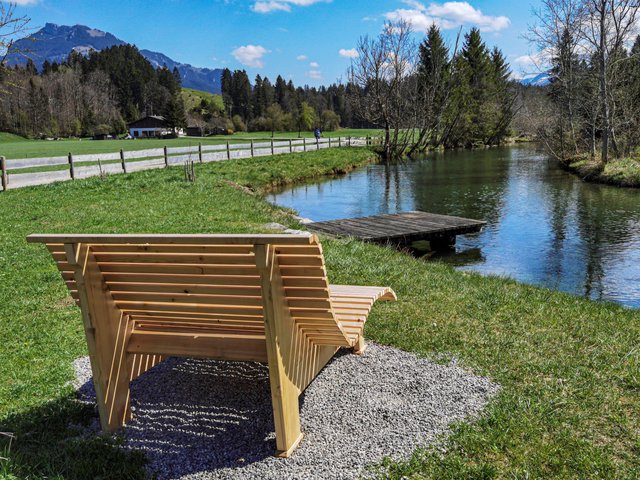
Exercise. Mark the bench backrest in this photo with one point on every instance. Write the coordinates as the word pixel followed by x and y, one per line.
pixel 191 283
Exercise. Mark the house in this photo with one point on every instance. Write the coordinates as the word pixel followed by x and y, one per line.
pixel 151 126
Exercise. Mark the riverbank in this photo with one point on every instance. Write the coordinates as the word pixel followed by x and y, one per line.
pixel 622 172
pixel 569 368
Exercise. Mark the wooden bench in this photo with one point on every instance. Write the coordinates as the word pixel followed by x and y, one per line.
pixel 262 298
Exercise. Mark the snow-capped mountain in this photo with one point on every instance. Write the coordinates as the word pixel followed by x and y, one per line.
pixel 536 79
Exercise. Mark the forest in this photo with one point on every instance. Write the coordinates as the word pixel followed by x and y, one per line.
pixel 447 98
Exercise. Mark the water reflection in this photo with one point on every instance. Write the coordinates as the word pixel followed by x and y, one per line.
pixel 544 226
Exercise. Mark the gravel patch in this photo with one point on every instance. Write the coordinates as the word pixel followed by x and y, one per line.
pixel 207 419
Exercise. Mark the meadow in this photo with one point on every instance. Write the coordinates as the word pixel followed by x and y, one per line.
pixel 569 367
pixel 15 147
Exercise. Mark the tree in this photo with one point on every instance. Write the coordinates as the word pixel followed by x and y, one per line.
pixel 12 26
pixel 608 25
pixel 434 75
pixel 384 72
pixel 330 121
pixel 274 117
pixel 306 118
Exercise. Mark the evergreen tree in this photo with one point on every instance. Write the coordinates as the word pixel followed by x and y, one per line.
pixel 475 80
pixel 433 78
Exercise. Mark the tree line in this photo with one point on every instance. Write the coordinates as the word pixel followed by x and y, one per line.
pixel 594 94
pixel 88 95
pixel 431 95
pixel 281 106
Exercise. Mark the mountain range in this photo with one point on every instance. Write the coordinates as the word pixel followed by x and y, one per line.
pixel 55 42
pixel 536 79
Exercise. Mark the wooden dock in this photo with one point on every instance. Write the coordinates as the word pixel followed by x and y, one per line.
pixel 401 228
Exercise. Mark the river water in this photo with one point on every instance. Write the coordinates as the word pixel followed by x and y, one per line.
pixel 544 226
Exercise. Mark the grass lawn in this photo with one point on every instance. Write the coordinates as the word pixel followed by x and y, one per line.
pixel 14 147
pixel 569 367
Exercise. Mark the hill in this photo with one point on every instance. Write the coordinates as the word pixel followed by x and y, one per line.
pixel 55 42
pixel 193 98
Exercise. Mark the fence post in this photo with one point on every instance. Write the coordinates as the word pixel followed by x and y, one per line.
pixel 252 147
pixel 3 173
pixel 349 140
pixel 166 157
pixel 124 165
pixel 329 142
pixel 228 152
pixel 200 152
pixel 317 144
pixel 290 146
pixel 272 151
pixel 367 143
pixel 339 141
pixel 304 144
pixel 72 170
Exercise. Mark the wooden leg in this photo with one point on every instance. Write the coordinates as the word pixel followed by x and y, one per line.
pixel 117 395
pixel 108 332
pixel 286 409
pixel 360 346
pixel 280 341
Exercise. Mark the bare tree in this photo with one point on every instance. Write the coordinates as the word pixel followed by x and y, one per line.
pixel 384 71
pixel 12 26
pixel 606 30
pixel 556 34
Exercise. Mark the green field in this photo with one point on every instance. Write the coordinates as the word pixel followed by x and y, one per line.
pixel 192 98
pixel 569 367
pixel 14 147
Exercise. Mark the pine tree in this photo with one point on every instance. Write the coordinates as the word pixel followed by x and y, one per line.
pixel 433 78
pixel 474 71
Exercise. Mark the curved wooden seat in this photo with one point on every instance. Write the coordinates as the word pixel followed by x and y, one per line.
pixel 261 298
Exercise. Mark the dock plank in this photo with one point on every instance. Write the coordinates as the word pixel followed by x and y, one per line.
pixel 404 227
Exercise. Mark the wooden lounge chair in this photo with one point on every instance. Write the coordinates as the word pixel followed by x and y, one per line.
pixel 261 298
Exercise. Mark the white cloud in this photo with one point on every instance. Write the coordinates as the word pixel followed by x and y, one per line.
pixel 537 61
pixel 315 74
pixel 250 55
pixel 268 6
pixel 348 53
pixel 448 15
pixel 314 65
pixel 301 58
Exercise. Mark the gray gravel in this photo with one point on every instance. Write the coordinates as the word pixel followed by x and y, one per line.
pixel 205 419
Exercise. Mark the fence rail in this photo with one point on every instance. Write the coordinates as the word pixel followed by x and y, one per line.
pixel 95 164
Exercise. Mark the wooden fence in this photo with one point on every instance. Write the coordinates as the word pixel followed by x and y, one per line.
pixel 71 167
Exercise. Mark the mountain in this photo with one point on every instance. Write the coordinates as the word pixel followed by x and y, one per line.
pixel 55 42
pixel 536 79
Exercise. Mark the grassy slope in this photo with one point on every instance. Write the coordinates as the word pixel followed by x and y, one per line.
pixel 192 98
pixel 570 368
pixel 42 148
pixel 624 172
pixel 6 137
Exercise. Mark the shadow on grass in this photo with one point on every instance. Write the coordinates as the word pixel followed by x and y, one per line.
pixel 50 442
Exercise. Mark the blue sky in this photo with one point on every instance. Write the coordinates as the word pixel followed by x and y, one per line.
pixel 308 41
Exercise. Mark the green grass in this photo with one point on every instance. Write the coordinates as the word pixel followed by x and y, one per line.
pixel 6 137
pixel 623 172
pixel 192 98
pixel 19 147
pixel 569 367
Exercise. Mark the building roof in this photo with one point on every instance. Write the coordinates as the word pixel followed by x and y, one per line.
pixel 150 121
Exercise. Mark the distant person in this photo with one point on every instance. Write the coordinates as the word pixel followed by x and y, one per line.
pixel 317 133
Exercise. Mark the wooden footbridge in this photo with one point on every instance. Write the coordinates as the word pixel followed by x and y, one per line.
pixel 401 228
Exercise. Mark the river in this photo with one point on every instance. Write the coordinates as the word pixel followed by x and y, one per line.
pixel 544 226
